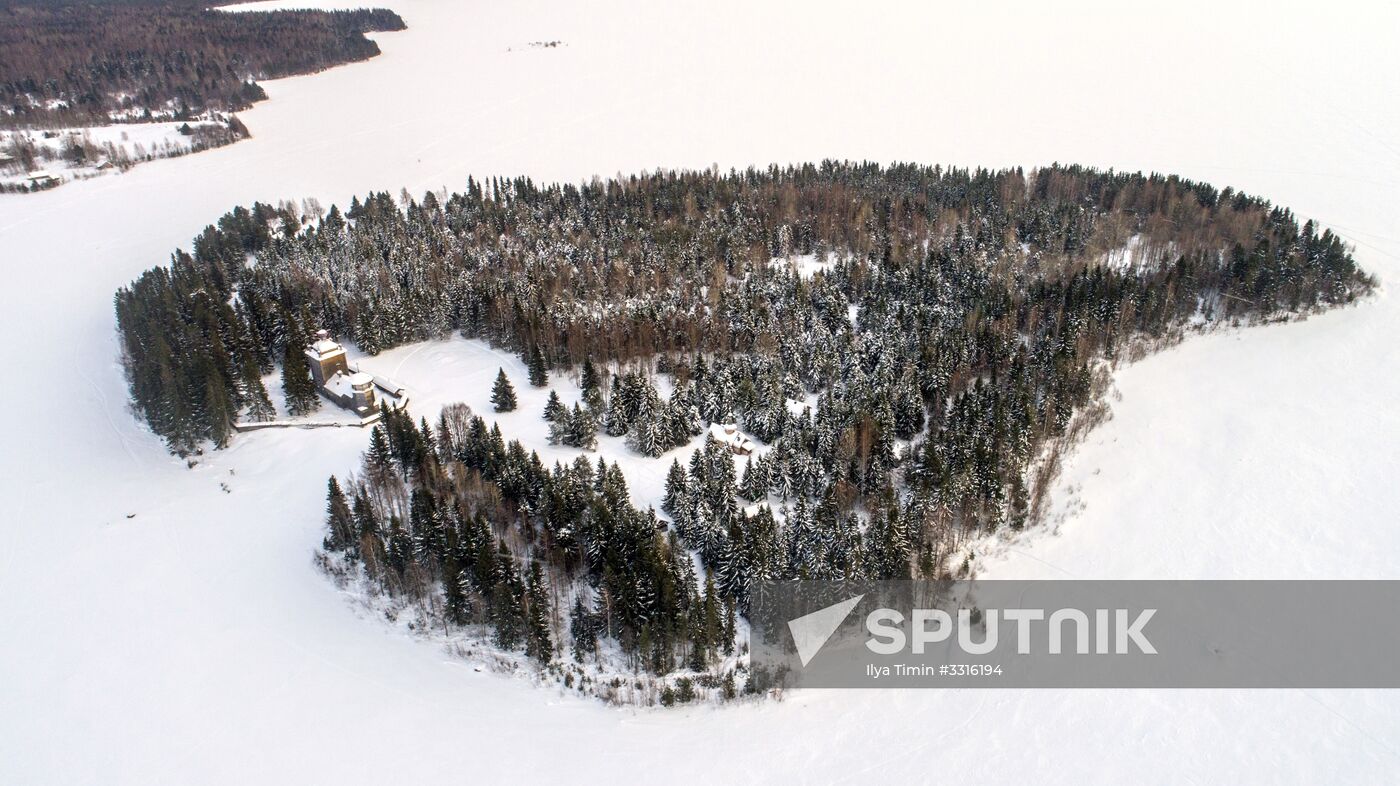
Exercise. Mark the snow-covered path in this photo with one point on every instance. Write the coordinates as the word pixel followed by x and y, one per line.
pixel 194 642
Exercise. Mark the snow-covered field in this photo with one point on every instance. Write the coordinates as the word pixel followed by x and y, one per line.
pixel 194 642
pixel 437 373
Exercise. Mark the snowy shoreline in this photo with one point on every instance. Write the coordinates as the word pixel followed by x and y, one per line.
pixel 141 650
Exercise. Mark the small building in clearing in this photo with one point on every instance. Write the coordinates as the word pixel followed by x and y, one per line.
pixel 729 435
pixel 352 390
pixel 326 358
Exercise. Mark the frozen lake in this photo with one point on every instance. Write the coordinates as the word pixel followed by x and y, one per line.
pixel 195 642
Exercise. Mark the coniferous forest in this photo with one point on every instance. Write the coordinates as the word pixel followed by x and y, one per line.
pixel 958 323
pixel 67 62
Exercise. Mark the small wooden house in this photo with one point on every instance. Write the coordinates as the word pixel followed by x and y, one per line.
pixel 729 435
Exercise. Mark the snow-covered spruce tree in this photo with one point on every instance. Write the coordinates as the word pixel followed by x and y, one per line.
pixel 581 428
pixel 753 485
pixel 539 375
pixel 379 460
pixel 583 629
pixel 297 385
pixel 507 603
pixel 677 488
pixel 622 407
pixel 252 391
pixel 538 643
pixel 554 408
pixel 427 527
pixel 502 393
pixel 649 434
pixel 399 553
pixel 591 386
pixel 341 532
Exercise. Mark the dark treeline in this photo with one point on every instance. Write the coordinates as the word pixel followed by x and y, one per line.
pixel 74 63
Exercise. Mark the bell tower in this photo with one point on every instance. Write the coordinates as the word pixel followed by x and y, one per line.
pixel 326 358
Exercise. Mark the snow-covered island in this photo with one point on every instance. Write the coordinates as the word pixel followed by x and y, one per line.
pixel 841 371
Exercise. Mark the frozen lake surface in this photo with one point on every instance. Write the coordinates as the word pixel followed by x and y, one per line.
pixel 195 642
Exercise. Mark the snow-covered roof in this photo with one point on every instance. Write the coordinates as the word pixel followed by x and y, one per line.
pixel 340 385
pixel 385 384
pixel 326 347
pixel 344 384
pixel 729 434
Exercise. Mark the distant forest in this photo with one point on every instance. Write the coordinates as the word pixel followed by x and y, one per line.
pixel 958 327
pixel 86 63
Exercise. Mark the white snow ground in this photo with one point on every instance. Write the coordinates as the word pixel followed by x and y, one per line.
pixel 195 643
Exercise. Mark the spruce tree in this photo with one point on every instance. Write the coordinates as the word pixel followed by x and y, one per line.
pixel 677 488
pixel 698 659
pixel 537 640
pixel 583 628
pixel 218 412
pixel 620 410
pixel 507 611
pixel 539 377
pixel 591 386
pixel 454 591
pixel 729 629
pixel 750 487
pixel 647 435
pixel 340 525
pixel 400 547
pixel 502 394
pixel 297 384
pixel 260 407
pixel 379 461
pixel 554 408
pixel 581 428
